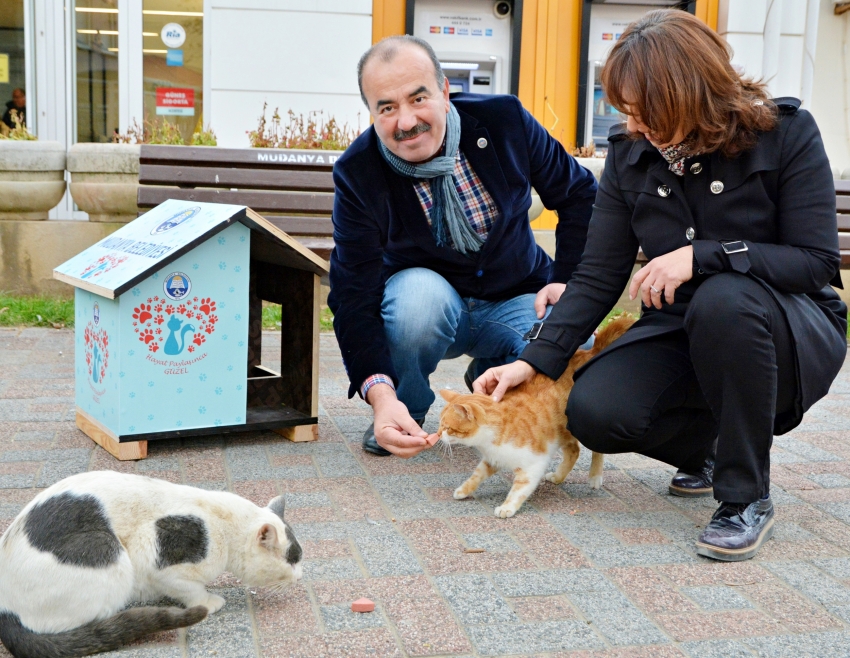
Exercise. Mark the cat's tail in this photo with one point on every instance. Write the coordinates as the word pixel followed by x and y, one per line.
pixel 94 637
pixel 612 331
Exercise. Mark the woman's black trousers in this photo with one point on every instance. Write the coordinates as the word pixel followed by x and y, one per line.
pixel 726 375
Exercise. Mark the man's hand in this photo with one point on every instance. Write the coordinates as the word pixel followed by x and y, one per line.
pixel 662 275
pixel 498 381
pixel 548 296
pixel 395 430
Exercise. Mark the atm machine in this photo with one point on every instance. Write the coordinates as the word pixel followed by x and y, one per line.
pixel 603 21
pixel 477 41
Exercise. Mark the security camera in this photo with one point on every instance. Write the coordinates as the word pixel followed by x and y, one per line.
pixel 502 9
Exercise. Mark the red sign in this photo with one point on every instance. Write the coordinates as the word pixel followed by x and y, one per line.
pixel 175 101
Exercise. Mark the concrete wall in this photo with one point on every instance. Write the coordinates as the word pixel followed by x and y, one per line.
pixel 289 53
pixel 30 250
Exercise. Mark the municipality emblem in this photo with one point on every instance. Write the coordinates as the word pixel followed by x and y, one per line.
pixel 176 220
pixel 96 314
pixel 177 286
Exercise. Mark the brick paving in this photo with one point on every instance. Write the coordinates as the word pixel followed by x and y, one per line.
pixel 577 573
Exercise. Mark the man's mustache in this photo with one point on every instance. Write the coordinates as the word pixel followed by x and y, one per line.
pixel 418 129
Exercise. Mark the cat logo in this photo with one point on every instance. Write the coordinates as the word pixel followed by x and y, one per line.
pixel 178 219
pixel 96 314
pixel 177 286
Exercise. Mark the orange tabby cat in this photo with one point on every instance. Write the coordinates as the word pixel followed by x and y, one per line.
pixel 523 431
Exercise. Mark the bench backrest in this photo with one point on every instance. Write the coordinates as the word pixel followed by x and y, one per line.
pixel 842 203
pixel 293 189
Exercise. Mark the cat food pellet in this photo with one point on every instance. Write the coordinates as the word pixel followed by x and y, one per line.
pixel 363 605
pixel 473 550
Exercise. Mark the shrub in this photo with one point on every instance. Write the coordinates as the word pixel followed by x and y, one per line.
pixel 300 133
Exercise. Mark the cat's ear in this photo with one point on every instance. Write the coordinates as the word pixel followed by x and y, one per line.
pixel 466 409
pixel 277 506
pixel 448 394
pixel 267 536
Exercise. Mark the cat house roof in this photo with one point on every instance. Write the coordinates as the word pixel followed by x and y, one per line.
pixel 132 253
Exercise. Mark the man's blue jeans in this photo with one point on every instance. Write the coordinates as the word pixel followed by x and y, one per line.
pixel 426 320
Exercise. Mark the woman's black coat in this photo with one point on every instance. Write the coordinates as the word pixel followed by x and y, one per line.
pixel 778 197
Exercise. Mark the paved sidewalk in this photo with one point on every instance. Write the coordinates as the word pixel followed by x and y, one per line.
pixel 576 573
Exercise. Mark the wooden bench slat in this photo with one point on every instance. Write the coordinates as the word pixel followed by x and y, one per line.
pixel 303 225
pixel 844 241
pixel 261 158
pixel 842 203
pixel 843 222
pixel 271 179
pixel 283 202
pixel 842 186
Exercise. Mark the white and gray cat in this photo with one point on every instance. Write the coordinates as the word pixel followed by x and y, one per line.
pixel 85 548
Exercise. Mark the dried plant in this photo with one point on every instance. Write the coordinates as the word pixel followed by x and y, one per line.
pixel 588 151
pixel 19 132
pixel 162 131
pixel 300 133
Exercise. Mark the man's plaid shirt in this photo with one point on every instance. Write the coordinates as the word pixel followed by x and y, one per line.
pixel 481 213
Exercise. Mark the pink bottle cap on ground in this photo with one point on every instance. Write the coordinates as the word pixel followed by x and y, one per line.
pixel 363 605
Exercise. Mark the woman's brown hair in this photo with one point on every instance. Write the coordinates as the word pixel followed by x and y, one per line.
pixel 670 71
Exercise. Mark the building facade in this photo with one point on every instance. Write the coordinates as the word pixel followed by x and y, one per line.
pixel 94 68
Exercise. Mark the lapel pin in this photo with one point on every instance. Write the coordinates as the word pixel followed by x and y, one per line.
pixel 482 143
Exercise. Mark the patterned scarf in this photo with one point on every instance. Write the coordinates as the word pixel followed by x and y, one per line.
pixel 447 214
pixel 675 154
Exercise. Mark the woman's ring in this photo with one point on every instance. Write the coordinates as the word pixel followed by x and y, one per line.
pixel 655 290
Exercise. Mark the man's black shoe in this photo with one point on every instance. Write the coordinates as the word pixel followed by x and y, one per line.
pixel 694 485
pixel 737 531
pixel 370 443
pixel 467 377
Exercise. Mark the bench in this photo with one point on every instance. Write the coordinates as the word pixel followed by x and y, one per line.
pixel 842 203
pixel 293 189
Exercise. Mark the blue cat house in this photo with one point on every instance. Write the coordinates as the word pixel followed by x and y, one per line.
pixel 168 313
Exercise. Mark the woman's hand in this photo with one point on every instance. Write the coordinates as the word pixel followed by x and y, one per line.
pixel 662 275
pixel 498 381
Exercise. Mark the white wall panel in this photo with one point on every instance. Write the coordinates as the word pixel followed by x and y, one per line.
pixel 790 67
pixel 794 17
pixel 742 16
pixel 290 54
pixel 747 52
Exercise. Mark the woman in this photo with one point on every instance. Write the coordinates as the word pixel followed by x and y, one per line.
pixel 731 197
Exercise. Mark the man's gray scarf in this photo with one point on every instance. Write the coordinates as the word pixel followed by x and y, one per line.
pixel 447 214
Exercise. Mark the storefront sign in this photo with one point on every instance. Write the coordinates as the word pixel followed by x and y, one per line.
pixel 4 68
pixel 173 35
pixel 174 101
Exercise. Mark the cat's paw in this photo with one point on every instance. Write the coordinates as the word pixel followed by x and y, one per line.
pixel 505 511
pixel 553 477
pixel 214 603
pixel 595 482
pixel 460 493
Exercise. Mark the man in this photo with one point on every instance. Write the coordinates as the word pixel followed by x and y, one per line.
pixel 17 104
pixel 434 254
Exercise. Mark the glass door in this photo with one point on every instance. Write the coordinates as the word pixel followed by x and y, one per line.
pixel 96 31
pixel 174 63
pixel 13 91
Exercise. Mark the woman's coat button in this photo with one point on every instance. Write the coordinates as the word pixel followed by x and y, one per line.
pixel 696 168
pixel 482 143
pixel 717 187
pixel 663 190
pixel 690 234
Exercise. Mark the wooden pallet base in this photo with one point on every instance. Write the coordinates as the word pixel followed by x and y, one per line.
pixel 300 433
pixel 108 441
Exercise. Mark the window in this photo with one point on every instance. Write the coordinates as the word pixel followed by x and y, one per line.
pixel 12 63
pixel 96 30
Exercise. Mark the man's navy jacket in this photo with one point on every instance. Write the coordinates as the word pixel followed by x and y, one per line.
pixel 380 227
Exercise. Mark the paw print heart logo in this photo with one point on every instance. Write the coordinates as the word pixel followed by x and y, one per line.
pixel 174 327
pixel 97 352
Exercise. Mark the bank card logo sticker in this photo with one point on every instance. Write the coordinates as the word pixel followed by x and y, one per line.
pixel 435 29
pixel 175 328
pixel 173 35
pixel 96 314
pixel 102 265
pixel 177 285
pixel 176 220
pixel 448 30
pixel 97 353
pixel 607 36
pixel 488 32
